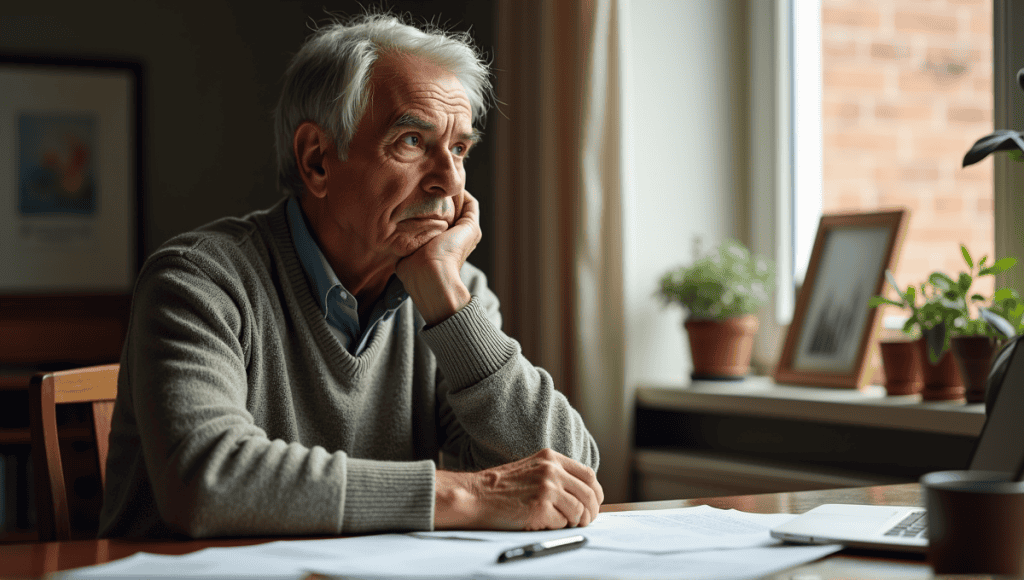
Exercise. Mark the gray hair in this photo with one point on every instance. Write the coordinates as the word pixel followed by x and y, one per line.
pixel 328 80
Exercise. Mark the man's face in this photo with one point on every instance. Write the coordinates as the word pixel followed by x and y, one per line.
pixel 403 181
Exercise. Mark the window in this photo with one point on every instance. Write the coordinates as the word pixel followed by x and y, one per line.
pixel 773 143
pixel 905 89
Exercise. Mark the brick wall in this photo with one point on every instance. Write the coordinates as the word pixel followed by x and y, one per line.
pixel 907 89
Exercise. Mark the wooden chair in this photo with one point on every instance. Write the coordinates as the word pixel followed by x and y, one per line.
pixel 96 385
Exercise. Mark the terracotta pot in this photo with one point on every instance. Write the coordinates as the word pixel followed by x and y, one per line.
pixel 942 381
pixel 973 355
pixel 721 349
pixel 902 363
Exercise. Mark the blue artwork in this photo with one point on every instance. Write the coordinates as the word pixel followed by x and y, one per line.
pixel 56 164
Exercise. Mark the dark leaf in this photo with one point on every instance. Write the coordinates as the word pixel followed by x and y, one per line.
pixel 999 140
pixel 965 282
pixel 936 339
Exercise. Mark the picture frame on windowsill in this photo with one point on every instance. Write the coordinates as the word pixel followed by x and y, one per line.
pixel 827 343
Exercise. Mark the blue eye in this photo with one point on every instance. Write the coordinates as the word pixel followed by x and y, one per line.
pixel 459 150
pixel 411 140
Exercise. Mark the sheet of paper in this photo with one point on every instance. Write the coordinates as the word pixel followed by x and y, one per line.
pixel 654 531
pixel 286 559
pixel 143 565
pixel 700 542
pixel 740 564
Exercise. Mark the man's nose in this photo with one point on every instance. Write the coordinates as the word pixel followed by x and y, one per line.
pixel 444 178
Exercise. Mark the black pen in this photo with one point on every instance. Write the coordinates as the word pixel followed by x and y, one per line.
pixel 543 548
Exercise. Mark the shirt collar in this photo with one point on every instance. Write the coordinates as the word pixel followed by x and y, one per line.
pixel 322 274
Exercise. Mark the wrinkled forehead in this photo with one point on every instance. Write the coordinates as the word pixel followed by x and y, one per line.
pixel 403 83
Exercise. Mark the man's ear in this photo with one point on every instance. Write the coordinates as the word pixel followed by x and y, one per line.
pixel 311 146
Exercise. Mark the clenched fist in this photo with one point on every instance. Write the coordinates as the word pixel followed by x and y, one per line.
pixel 542 492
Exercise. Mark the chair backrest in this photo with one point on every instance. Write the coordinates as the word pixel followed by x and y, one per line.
pixel 96 385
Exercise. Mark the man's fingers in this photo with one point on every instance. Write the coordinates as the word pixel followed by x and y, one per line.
pixel 585 496
pixel 470 207
pixel 544 491
pixel 570 508
pixel 584 474
pixel 573 484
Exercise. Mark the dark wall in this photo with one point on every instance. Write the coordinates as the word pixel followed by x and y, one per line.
pixel 212 75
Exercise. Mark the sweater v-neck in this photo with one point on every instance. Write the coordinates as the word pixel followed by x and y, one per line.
pixel 299 287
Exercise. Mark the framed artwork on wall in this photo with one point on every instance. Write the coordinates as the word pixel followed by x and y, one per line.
pixel 71 182
pixel 827 341
pixel 70 176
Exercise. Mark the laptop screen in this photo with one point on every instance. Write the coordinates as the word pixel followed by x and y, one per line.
pixel 1000 446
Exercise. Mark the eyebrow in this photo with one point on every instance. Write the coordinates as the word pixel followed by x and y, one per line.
pixel 409 120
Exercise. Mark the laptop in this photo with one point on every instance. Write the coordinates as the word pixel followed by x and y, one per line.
pixel 1000 447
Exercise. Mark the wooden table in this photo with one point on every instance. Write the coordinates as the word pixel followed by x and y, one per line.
pixel 37 559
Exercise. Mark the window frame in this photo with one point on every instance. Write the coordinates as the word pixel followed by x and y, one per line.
pixel 1008 58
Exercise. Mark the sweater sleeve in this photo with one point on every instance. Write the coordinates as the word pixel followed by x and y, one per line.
pixel 212 470
pixel 494 405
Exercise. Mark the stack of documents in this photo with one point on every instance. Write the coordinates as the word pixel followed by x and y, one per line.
pixel 694 543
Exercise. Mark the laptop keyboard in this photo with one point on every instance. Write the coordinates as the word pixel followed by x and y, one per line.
pixel 914 525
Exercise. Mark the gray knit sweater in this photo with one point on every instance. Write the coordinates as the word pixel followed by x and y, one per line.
pixel 239 413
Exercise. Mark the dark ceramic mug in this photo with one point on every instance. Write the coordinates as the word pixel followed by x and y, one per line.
pixel 975 522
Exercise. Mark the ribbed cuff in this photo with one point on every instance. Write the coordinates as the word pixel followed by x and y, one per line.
pixel 388 496
pixel 468 347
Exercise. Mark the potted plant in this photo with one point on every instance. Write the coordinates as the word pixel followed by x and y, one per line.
pixel 961 326
pixel 980 323
pixel 720 292
pixel 901 360
pixel 959 331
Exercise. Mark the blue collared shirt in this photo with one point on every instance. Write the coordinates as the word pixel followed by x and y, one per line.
pixel 341 310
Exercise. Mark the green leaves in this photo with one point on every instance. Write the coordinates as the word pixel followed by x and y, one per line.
pixel 1003 294
pixel 950 309
pixel 877 301
pixel 967 256
pixel 941 281
pixel 1000 266
pixel 726 283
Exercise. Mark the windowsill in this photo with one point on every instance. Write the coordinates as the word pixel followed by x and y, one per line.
pixel 870 407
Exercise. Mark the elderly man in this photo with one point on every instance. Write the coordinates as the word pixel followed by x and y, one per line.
pixel 299 370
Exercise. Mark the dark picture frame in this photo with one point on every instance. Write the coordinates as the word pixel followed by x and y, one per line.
pixel 828 339
pixel 67 267
pixel 70 199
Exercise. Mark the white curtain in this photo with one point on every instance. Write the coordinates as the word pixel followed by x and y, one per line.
pixel 561 174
